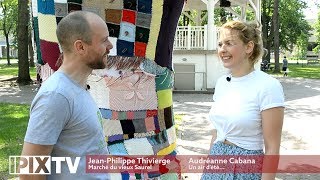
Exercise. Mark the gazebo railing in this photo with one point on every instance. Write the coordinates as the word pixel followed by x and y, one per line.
pixel 192 38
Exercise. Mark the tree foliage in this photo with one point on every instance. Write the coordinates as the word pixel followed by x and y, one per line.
pixel 317 33
pixel 8 21
pixel 292 24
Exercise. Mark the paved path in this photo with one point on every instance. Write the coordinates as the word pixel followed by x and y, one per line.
pixel 300 131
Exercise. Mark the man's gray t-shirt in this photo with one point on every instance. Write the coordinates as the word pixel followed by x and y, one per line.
pixel 64 114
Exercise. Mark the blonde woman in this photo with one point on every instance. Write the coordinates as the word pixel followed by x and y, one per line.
pixel 248 107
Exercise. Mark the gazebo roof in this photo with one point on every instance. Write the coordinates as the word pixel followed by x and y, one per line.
pixel 202 4
pixel 253 5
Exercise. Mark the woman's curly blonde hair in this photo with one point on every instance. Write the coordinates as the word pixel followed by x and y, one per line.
pixel 248 32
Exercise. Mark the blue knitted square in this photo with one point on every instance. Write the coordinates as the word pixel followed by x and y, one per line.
pixel 46 7
pixel 127 32
pixel 125 48
pixel 145 6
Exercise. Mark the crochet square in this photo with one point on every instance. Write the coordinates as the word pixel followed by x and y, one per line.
pixel 171 134
pixel 115 115
pixel 117 149
pixel 140 114
pixel 145 6
pixel 94 3
pixel 46 7
pixel 75 1
pixel 142 135
pixel 122 115
pixel 151 113
pixel 130 4
pixel 142 34
pixel 156 124
pixel 114 30
pixel 113 40
pixel 149 122
pixel 115 138
pixel 50 53
pixel 115 4
pixel 58 19
pixel 139 125
pixel 95 10
pixel 127 127
pixel 106 113
pixel 125 48
pixel 61 9
pixel 60 1
pixel 164 81
pixel 130 115
pixel 127 32
pixel 47 28
pixel 113 16
pixel 143 20
pixel 140 49
pixel 139 146
pixel 74 7
pixel 133 91
pixel 112 127
pixel 164 98
pixel 37 39
pixel 100 92
pixel 161 119
pixel 129 16
pixel 158 141
pixel 168 117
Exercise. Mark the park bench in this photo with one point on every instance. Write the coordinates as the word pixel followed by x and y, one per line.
pixel 313 61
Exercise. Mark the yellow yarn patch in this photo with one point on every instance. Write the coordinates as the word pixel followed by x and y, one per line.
pixel 164 98
pixel 47 27
pixel 167 150
pixel 157 10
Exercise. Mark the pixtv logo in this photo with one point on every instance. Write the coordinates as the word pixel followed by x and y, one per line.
pixel 40 164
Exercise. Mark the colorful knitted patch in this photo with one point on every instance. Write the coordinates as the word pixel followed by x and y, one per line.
pixel 135 97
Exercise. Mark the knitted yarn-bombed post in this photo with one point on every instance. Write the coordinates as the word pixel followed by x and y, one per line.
pixel 134 92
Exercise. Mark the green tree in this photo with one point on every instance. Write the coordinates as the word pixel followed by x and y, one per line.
pixel 292 24
pixel 317 34
pixel 276 25
pixel 302 44
pixel 8 22
pixel 23 62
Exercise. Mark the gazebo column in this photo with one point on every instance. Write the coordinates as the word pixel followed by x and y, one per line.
pixel 212 35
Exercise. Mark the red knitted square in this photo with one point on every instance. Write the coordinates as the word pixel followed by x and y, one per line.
pixel 129 16
pixel 140 49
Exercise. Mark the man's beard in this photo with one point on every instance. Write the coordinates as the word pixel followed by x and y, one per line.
pixel 98 63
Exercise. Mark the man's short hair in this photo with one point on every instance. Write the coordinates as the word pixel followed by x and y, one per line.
pixel 74 26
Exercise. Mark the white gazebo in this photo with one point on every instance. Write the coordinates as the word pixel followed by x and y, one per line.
pixel 195 58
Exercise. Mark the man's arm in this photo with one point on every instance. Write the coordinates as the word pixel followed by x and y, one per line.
pixel 30 149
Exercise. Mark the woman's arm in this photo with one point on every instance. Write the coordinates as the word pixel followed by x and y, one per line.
pixel 272 121
pixel 214 137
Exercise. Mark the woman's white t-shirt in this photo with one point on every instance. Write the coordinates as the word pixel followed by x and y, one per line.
pixel 237 106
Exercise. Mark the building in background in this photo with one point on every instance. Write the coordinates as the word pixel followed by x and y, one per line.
pixel 195 60
pixel 3 49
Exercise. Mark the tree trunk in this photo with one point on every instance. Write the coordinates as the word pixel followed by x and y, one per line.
pixel 276 36
pixel 8 49
pixel 23 18
pixel 31 52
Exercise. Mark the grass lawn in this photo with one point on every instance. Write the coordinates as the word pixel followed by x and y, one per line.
pixel 301 71
pixel 305 71
pixel 12 70
pixel 13 124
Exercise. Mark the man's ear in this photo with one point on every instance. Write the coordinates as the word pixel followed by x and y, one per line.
pixel 250 47
pixel 79 46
